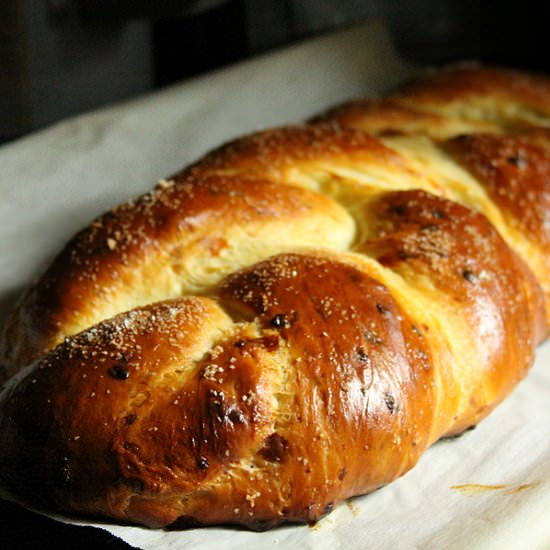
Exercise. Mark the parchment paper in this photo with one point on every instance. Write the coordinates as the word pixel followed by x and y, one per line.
pixel 488 489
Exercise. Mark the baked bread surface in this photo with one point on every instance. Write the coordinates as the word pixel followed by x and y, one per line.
pixel 292 320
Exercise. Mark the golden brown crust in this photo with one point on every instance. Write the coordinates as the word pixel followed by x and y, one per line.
pixel 143 249
pixel 515 173
pixel 172 427
pixel 284 153
pixel 429 242
pixel 493 123
pixel 358 373
pixel 507 97
pixel 388 117
pixel 458 100
pixel 292 320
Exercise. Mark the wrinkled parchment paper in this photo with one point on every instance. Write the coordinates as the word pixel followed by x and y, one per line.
pixel 488 489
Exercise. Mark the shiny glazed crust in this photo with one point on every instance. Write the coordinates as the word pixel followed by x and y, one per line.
pixel 292 320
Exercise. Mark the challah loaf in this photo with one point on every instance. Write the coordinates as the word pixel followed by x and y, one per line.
pixel 292 320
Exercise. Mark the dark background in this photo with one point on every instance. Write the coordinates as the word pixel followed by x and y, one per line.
pixel 62 57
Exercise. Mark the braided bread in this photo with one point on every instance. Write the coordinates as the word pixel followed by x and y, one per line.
pixel 293 319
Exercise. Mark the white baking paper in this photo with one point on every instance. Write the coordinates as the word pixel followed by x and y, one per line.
pixel 488 489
